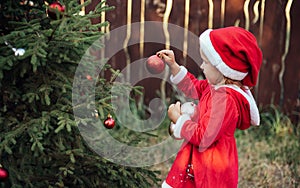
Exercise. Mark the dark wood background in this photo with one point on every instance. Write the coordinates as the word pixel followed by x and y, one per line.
pixel 276 30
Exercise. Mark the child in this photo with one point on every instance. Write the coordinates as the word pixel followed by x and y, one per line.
pixel 208 156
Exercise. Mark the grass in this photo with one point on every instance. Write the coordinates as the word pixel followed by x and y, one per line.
pixel 269 155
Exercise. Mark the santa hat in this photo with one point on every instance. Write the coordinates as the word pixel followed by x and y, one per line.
pixel 234 52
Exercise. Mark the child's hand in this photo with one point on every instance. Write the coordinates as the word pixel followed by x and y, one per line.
pixel 169 58
pixel 174 112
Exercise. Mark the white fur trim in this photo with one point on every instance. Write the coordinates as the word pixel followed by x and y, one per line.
pixel 179 124
pixel 165 185
pixel 254 112
pixel 214 58
pixel 179 76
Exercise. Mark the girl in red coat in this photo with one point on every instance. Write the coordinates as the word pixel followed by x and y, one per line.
pixel 208 156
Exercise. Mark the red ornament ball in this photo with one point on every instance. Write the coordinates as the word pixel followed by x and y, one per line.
pixel 109 123
pixel 3 174
pixel 55 7
pixel 155 65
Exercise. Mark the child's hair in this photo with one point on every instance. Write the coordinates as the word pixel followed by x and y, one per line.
pixel 235 82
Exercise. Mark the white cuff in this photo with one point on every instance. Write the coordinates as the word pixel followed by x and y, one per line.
pixel 178 126
pixel 179 76
pixel 165 185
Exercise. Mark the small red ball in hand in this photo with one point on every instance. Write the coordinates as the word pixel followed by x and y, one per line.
pixel 3 174
pixel 155 65
pixel 53 7
pixel 109 123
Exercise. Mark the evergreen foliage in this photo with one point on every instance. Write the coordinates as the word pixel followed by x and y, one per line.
pixel 40 144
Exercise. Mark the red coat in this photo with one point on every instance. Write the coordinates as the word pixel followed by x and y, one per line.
pixel 210 133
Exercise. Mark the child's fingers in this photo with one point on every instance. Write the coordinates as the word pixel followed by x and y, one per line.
pixel 164 53
pixel 171 106
pixel 177 106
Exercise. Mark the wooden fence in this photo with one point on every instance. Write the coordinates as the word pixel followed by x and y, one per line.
pixel 273 22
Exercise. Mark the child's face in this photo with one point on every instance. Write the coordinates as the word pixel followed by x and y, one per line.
pixel 212 74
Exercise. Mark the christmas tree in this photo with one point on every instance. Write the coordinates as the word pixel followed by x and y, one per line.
pixel 40 144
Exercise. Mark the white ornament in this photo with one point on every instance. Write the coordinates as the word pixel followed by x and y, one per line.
pixel 18 52
pixel 186 108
